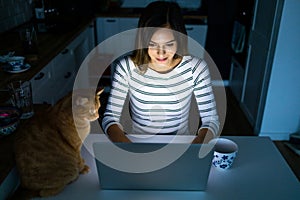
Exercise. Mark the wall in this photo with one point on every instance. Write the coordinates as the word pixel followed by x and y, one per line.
pixel 14 13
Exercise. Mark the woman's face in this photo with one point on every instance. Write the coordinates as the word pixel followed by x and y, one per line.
pixel 162 48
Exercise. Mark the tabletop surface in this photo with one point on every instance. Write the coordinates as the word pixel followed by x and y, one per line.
pixel 259 172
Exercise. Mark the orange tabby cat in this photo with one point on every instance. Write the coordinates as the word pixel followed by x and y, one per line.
pixel 47 147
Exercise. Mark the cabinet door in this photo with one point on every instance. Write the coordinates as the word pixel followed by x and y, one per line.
pixel 123 42
pixel 263 18
pixel 83 44
pixel 90 34
pixel 236 79
pixel 41 86
pixel 57 79
pixel 259 64
pixel 128 33
pixel 63 71
pixel 255 72
pixel 106 27
pixel 198 34
pixel 128 23
pixel 81 50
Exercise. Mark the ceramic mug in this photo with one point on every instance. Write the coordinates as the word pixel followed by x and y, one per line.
pixel 225 151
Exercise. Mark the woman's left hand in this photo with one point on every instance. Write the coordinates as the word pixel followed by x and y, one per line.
pixel 203 137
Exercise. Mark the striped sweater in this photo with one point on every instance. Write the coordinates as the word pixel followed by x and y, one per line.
pixel 160 102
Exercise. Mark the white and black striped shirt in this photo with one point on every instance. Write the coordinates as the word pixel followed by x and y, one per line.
pixel 160 102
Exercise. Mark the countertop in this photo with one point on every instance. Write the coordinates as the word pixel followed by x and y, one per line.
pixel 257 173
pixel 50 44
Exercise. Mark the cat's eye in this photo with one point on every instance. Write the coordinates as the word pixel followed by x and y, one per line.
pixel 93 111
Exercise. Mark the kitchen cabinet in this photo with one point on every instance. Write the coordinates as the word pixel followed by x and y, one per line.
pixel 109 46
pixel 240 46
pixel 63 69
pixel 108 27
pixel 198 33
pixel 82 47
pixel 57 78
pixel 237 75
pixel 192 4
pixel 41 84
pixel 128 37
pixel 83 44
pixel 270 95
pixel 259 50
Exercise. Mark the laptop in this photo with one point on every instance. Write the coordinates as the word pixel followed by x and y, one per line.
pixel 152 166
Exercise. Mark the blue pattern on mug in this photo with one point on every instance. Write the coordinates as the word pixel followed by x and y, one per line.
pixel 223 161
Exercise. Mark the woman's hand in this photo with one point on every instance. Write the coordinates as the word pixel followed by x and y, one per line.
pixel 204 136
pixel 116 134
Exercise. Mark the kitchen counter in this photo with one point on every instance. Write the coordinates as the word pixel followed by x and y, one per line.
pixel 50 44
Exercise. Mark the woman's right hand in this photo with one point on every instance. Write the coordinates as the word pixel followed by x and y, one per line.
pixel 116 134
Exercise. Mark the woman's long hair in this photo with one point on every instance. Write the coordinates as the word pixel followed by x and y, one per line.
pixel 158 14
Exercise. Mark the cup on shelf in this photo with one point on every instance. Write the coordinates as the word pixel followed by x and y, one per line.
pixel 16 62
pixel 225 152
pixel 21 97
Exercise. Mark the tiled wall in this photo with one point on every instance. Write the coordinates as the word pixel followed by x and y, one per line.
pixel 14 13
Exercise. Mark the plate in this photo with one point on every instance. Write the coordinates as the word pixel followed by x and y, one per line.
pixel 9 69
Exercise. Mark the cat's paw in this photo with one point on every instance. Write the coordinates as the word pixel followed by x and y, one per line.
pixel 85 170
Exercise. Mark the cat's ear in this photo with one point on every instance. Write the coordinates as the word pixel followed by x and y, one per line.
pixel 81 101
pixel 99 91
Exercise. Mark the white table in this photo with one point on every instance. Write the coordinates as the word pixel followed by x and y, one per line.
pixel 259 172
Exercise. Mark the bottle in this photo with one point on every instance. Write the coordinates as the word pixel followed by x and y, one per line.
pixel 29 40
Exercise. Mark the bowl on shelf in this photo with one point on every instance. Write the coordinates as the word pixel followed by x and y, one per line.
pixel 9 119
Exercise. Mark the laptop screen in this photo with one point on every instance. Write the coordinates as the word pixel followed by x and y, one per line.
pixel 152 166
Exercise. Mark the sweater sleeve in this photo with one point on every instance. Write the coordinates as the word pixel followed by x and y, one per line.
pixel 118 93
pixel 204 96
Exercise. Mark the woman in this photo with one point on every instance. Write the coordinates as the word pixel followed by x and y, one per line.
pixel 160 79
